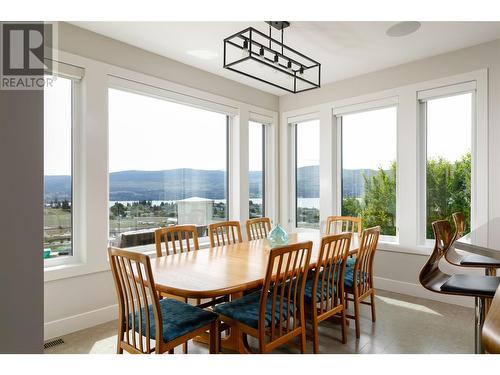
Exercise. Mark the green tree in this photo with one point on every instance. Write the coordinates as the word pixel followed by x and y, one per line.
pixel 379 201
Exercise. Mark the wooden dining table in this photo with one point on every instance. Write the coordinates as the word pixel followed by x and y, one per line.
pixel 227 270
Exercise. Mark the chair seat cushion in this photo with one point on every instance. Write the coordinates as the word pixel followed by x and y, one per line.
pixel 327 288
pixel 246 310
pixel 349 277
pixel 470 285
pixel 350 262
pixel 178 318
pixel 480 261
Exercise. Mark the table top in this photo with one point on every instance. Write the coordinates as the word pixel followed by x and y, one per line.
pixel 470 244
pixel 223 270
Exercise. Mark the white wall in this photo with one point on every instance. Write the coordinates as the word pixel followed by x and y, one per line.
pixel 395 270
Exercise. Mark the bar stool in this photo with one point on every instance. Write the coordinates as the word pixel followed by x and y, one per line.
pixel 433 279
pixel 490 265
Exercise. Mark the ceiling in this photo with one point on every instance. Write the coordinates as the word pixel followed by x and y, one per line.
pixel 344 49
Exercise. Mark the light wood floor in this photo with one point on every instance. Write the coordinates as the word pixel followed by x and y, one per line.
pixel 404 324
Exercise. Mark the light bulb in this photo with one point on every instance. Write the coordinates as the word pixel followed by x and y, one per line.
pixel 244 51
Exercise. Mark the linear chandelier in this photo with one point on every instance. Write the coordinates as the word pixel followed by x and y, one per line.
pixel 260 56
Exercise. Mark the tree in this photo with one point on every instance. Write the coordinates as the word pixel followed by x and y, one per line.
pixel 379 201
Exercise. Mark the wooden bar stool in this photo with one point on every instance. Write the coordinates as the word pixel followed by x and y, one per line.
pixel 433 279
pixel 490 265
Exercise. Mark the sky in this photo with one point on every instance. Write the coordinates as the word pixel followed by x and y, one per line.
pixel 147 133
pixel 57 128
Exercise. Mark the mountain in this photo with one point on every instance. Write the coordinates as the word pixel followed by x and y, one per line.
pixel 177 184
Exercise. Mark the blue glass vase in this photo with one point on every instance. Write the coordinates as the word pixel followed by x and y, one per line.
pixel 277 236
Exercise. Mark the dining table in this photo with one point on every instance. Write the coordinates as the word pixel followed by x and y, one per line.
pixel 227 270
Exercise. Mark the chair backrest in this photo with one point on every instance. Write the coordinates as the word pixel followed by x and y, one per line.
pixel 258 228
pixel 451 255
pixel 177 239
pixel 224 233
pixel 431 276
pixel 136 290
pixel 340 224
pixel 459 220
pixel 284 286
pixel 363 268
pixel 330 267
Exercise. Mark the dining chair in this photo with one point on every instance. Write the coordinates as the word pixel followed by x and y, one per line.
pixel 358 279
pixel 432 278
pixel 224 233
pixel 490 265
pixel 275 314
pixel 339 224
pixel 147 324
pixel 324 292
pixel 177 239
pixel 258 228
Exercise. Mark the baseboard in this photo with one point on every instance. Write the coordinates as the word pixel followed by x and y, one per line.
pixel 57 328
pixel 418 290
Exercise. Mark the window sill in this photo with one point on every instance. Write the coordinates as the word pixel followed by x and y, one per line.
pixel 395 247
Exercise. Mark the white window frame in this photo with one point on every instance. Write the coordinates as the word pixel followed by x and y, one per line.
pixel 409 202
pixel 290 188
pixel 93 152
pixel 266 122
pixel 338 113
pixel 173 97
pixel 478 153
pixel 75 75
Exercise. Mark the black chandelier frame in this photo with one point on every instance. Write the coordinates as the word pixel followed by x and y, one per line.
pixel 249 41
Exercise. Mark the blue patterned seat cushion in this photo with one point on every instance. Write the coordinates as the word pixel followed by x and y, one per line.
pixel 327 289
pixel 350 262
pixel 246 310
pixel 178 318
pixel 349 274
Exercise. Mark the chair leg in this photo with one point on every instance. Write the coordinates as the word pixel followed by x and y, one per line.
pixel 314 321
pixel 372 305
pixel 356 317
pixel 119 349
pixel 185 347
pixel 303 340
pixel 344 326
pixel 214 337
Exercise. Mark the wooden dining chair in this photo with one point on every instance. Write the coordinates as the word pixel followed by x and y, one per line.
pixel 324 292
pixel 339 224
pixel 358 280
pixel 275 314
pixel 176 239
pixel 224 233
pixel 489 265
pixel 258 228
pixel 432 278
pixel 147 324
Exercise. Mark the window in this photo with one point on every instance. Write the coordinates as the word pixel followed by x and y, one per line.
pixel 307 174
pixel 58 169
pixel 449 123
pixel 369 167
pixel 167 166
pixel 256 169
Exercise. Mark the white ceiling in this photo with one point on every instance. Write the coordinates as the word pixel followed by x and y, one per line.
pixel 344 49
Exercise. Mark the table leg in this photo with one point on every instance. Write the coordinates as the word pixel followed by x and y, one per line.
pixel 479 321
pixel 234 341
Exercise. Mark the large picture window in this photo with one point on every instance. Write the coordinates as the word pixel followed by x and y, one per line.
pixel 448 175
pixel 369 146
pixel 58 168
pixel 256 169
pixel 167 166
pixel 307 174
